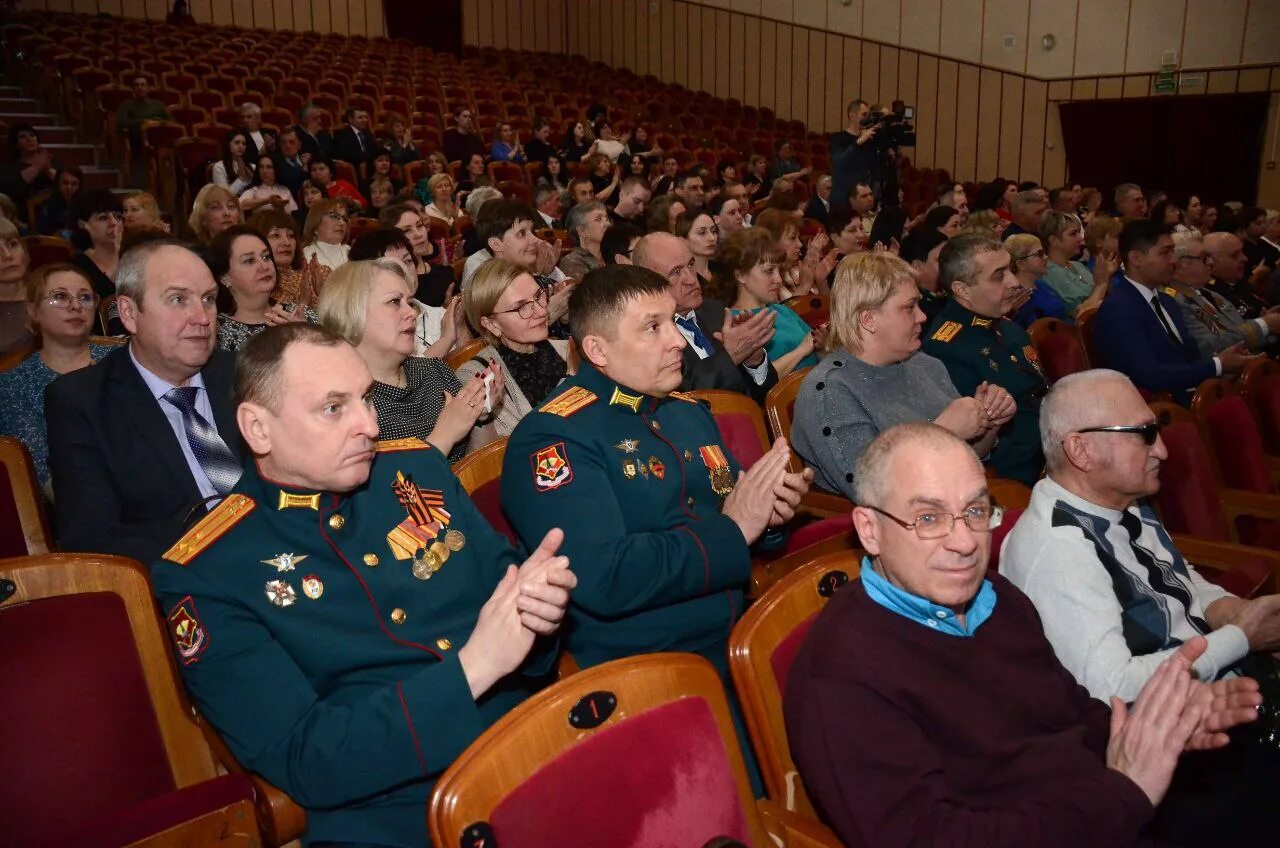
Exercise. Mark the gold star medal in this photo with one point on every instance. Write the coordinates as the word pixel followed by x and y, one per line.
pixel 284 562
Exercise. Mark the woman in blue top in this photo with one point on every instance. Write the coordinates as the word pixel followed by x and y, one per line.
pixel 62 308
pixel 506 145
pixel 1029 261
pixel 746 274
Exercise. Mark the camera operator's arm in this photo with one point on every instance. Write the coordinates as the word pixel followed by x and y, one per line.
pixel 867 134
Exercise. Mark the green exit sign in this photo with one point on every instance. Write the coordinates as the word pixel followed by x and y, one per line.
pixel 1166 81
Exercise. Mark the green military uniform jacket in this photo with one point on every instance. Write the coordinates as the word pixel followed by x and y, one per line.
pixel 1213 321
pixel 132 113
pixel 328 667
pixel 977 349
pixel 636 483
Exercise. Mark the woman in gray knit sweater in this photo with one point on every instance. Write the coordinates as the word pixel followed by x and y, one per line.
pixel 874 375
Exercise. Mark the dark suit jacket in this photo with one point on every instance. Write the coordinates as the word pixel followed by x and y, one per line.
pixel 121 480
pixel 317 145
pixel 718 371
pixel 816 211
pixel 347 148
pixel 289 175
pixel 1129 337
pixel 251 147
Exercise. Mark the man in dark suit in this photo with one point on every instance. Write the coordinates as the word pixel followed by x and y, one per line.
pixel 354 143
pixel 291 165
pixel 819 208
pixel 316 140
pixel 721 352
pixel 143 443
pixel 1139 329
pixel 258 140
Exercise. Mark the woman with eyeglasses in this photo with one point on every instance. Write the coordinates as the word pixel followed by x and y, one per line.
pixel 60 308
pixel 874 376
pixel 325 234
pixel 1062 236
pixel 240 260
pixel 587 223
pixel 214 209
pixel 1027 262
pixel 370 304
pixel 505 304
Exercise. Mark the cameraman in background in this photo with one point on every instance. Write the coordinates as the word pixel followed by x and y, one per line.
pixel 854 155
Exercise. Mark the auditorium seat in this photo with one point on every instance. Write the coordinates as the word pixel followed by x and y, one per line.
pixel 1260 387
pixel 779 409
pixel 814 309
pixel 551 772
pixel 1084 328
pixel 1058 347
pixel 46 250
pixel 24 526
pixel 480 472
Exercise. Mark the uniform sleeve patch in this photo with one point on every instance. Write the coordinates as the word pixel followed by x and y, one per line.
pixel 946 332
pixel 551 468
pixel 187 631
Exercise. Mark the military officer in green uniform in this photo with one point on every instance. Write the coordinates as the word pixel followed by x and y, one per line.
pixel 980 346
pixel 657 519
pixel 346 618
pixel 1213 321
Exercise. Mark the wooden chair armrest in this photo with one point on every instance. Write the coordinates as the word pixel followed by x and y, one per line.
pixel 793 829
pixel 282 819
pixel 1227 556
pixel 824 504
pixel 1238 502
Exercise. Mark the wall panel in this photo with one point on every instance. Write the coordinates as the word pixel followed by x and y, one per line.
pixel 926 104
pixel 1034 106
pixel 967 94
pixel 737 64
pixel 988 130
pixel 751 61
pixel 782 96
pixel 948 87
pixel 818 82
pixel 348 17
pixel 1011 100
pixel 769 65
pixel 889 75
pixel 870 90
pixel 835 102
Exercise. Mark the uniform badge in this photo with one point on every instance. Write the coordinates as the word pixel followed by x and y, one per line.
pixel 657 467
pixel 284 562
pixel 312 587
pixel 454 540
pixel 946 332
pixel 427 517
pixel 1033 356
pixel 426 562
pixel 188 634
pixel 629 469
pixel 628 446
pixel 718 467
pixel 280 593
pixel 551 468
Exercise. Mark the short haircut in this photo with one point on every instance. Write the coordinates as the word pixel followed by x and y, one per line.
pixel 840 217
pixel 1025 200
pixel 630 184
pixel 1022 245
pixel 95 202
pixel 542 192
pixel 919 242
pixel 250 106
pixel 1068 407
pixel 1183 240
pixel 375 244
pixel 1141 235
pixel 1055 223
pixel 781 143
pixel 484 290
pixel 855 104
pixel 684 176
pixel 600 299
pixel 617 240
pixel 258 363
pixel 863 281
pixel 958 260
pixel 269 218
pixel 131 272
pixel 498 216
pixel 871 471
pixel 1100 226
pixel 1123 189
pixel 479 198
pixel 738 254
pixel 577 217
pixel 1056 193
pixel 344 300
pixel 315 215
pixel 390 215
pixel 540 122
pixel 217 255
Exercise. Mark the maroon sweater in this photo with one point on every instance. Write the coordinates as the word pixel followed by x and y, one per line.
pixel 905 736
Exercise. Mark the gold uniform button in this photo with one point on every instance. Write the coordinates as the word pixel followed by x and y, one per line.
pixel 398 615
pixel 336 522
pixel 443 644
pixel 690 502
pixel 370 559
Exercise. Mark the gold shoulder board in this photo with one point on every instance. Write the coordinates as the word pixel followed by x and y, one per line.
pixel 210 528
pixel 393 445
pixel 569 402
pixel 946 332
pixel 1170 290
pixel 684 396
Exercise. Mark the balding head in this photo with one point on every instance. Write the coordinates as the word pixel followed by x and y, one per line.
pixel 1083 399
pixel 1227 250
pixel 670 257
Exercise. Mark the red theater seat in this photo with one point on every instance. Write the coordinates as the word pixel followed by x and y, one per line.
pixel 480 472
pixel 1059 348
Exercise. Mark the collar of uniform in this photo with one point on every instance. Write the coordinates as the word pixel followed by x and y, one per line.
pixel 967 317
pixel 277 496
pixel 924 611
pixel 620 397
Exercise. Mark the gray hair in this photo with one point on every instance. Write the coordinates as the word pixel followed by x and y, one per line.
pixel 1024 200
pixel 1068 407
pixel 131 272
pixel 479 197
pixel 1123 189
pixel 871 481
pixel 1183 240
pixel 250 106
pixel 958 261
pixel 541 192
pixel 1055 223
pixel 577 217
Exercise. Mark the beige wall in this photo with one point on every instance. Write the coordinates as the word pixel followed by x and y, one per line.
pixel 349 17
pixel 515 24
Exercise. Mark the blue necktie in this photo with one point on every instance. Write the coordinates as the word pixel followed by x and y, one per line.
pixel 700 339
pixel 210 451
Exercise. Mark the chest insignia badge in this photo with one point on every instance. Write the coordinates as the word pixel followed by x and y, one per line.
pixel 312 587
pixel 280 593
pixel 629 468
pixel 284 562
pixel 628 446
pixel 551 468
pixel 657 467
pixel 718 467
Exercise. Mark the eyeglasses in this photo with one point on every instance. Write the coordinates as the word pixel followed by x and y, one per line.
pixel 63 300
pixel 936 525
pixel 1206 259
pixel 1038 254
pixel 337 216
pixel 530 307
pixel 1148 432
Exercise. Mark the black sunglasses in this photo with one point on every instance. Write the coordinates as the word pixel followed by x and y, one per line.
pixel 1148 432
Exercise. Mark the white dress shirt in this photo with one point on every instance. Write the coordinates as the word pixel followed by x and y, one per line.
pixel 159 387
pixel 1167 319
pixel 759 373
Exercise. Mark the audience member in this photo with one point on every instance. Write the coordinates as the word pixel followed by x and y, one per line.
pixel 340 691
pixel 726 211
pixel 920 249
pixel 539 148
pixel 1029 262
pixel 785 165
pixel 1078 287
pixel 265 189
pixel 698 229
pixel 875 376
pixel 31 168
pixel 54 215
pixel 549 206
pixel 1213 321
pixel 475 173
pixel 1231 276
pixel 944 219
pixel 1251 226
pixel 258 140
pixel 1166 212
pixel 141 212
pixel 1130 202
pixel 443 205
pixel 324 177
pixel 61 311
pixel 691 190
pixel 819 205
pixel 505 228
pixel 240 260
pixel 309 195
pixel 666 180
pixel 1026 210
pixel 1192 217
pixel 586 223
pixel 14 263
pixel 618 243
pixel 997 196
pixel 1063 200
pixel 604 177
pixel 926 703
pixel 889 228
pixel 981 348
pixel 756 179
pixel 720 352
pixel 233 170
pixel 1102 237
pixel 953 195
pixel 577 143
pixel 432 282
pixel 612 148
pixel 581 190
pixel 139 108
pixel 663 212
pixel 633 197
pixel 854 153
pixel 143 442
pixel 291 168
pixel 317 142
pixel 324 235
pixel 506 145
pixel 353 142
pixel 101 217
pixel 461 141
pixel 281 233
pixel 398 139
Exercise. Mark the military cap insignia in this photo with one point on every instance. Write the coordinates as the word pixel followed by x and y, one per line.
pixel 570 401
pixel 280 593
pixel 946 332
pixel 427 517
pixel 210 528
pixel 283 562
pixel 188 633
pixel 551 468
pixel 393 445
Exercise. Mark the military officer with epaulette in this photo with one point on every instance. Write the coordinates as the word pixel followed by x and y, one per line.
pixel 346 618
pixel 980 346
pixel 1213 321
pixel 658 519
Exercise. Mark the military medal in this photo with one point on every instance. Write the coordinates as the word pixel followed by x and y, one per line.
pixel 657 467
pixel 629 469
pixel 280 593
pixel 425 564
pixel 454 540
pixel 284 562
pixel 628 446
pixel 312 587
pixel 427 517
pixel 718 467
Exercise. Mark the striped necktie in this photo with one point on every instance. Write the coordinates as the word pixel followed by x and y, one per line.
pixel 1160 577
pixel 700 339
pixel 206 445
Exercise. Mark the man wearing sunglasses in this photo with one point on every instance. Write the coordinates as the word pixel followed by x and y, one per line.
pixel 927 707
pixel 1116 597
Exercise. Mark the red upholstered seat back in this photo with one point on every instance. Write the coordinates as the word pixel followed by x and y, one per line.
pixel 998 536
pixel 1268 405
pixel 1188 492
pixel 1061 354
pixel 488 499
pixel 661 777
pixel 81 739
pixel 785 653
pixel 819 531
pixel 740 436
pixel 1238 444
pixel 12 542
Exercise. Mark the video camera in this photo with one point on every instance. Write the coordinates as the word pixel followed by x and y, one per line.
pixel 896 129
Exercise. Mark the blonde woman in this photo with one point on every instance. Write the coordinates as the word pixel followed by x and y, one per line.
pixel 509 309
pixel 214 210
pixel 874 375
pixel 141 212
pixel 443 205
pixel 14 262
